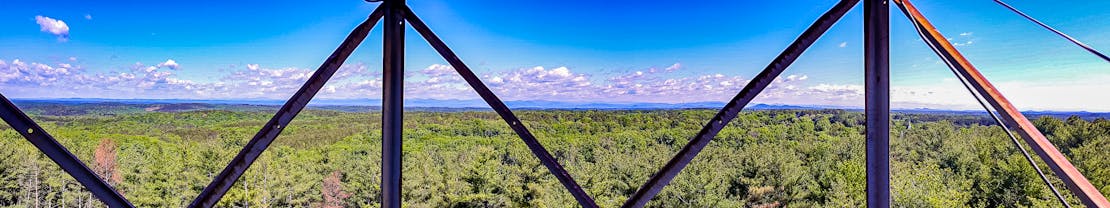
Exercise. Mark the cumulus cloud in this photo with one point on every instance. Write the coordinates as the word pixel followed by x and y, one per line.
pixel 437 70
pixel 169 63
pixel 33 73
pixel 19 78
pixel 355 81
pixel 674 67
pixel 566 84
pixel 53 26
pixel 964 39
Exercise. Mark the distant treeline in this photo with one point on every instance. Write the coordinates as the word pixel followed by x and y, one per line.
pixel 328 158
pixel 93 107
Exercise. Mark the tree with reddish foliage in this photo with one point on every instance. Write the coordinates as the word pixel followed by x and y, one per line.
pixel 105 162
pixel 332 190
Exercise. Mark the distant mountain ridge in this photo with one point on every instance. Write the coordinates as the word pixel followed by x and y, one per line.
pixel 522 104
pixel 429 103
pixel 78 106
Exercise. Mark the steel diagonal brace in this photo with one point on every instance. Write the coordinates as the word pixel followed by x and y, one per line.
pixel 1075 181
pixel 219 186
pixel 46 144
pixel 545 157
pixel 675 165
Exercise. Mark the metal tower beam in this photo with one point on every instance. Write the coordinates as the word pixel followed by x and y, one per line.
pixel 222 182
pixel 876 64
pixel 393 90
pixel 660 179
pixel 507 114
pixel 1056 161
pixel 46 144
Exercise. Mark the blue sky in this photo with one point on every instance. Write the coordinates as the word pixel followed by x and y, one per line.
pixel 611 51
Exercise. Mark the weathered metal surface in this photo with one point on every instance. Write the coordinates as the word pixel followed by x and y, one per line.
pixel 876 64
pixel 393 90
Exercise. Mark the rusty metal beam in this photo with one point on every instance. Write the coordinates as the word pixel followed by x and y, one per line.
pixel 507 114
pixel 760 82
pixel 46 144
pixel 265 136
pixel 876 64
pixel 1075 181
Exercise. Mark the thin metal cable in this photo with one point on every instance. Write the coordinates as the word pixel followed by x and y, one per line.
pixel 1016 142
pixel 967 85
pixel 1073 40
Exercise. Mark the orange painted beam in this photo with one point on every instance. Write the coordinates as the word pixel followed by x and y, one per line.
pixel 1056 161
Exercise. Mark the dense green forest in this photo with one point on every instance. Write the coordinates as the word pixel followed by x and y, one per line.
pixel 330 158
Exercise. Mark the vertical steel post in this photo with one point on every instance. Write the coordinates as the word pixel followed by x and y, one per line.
pixel 393 64
pixel 876 18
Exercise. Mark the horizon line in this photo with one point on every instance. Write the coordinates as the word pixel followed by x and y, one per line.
pixel 278 102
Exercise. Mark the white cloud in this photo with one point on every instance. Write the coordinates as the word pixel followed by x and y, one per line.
pixel 169 63
pixel 964 39
pixel 19 78
pixel 438 70
pixel 53 26
pixel 843 44
pixel 673 67
pixel 795 77
pixel 354 81
pixel 88 16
